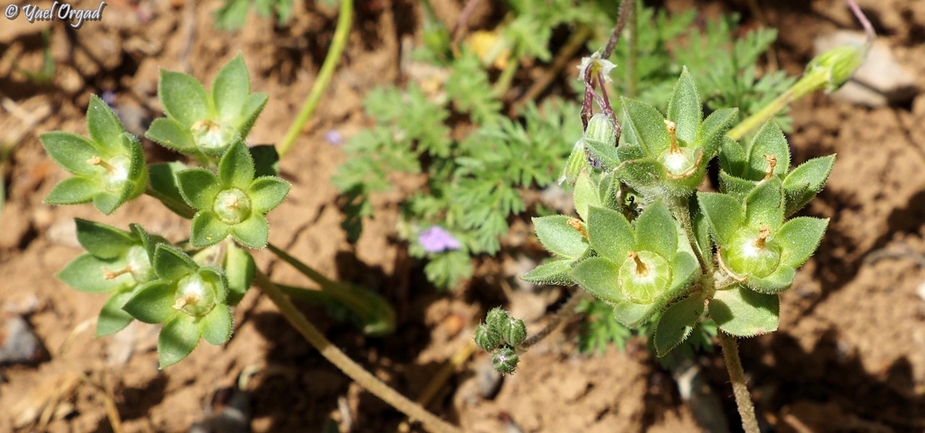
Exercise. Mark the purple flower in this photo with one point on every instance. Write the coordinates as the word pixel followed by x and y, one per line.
pixel 436 240
pixel 334 137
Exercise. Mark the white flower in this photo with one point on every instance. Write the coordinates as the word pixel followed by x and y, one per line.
pixel 597 64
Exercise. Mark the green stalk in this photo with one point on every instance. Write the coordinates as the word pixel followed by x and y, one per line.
pixel 344 20
pixel 377 315
pixel 507 76
pixel 807 85
pixel 681 211
pixel 353 370
pixel 739 387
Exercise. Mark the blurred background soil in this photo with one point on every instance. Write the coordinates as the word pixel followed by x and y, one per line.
pixel 849 355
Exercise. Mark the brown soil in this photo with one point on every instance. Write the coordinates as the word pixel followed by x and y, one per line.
pixel 848 356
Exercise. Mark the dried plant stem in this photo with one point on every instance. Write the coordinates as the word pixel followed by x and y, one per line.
pixel 739 388
pixel 345 364
pixel 344 21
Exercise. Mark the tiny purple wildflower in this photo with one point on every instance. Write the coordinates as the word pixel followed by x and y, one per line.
pixel 109 97
pixel 436 240
pixel 334 137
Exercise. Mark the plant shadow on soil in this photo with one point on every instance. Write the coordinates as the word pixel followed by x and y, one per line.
pixel 305 396
pixel 827 388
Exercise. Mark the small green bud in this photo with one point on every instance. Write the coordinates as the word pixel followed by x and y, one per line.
pixel 514 332
pixel 232 206
pixel 496 319
pixel 644 276
pixel 487 338
pixel 576 163
pixel 602 129
pixel 838 64
pixel 505 360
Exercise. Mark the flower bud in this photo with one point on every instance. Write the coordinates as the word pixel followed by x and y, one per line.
pixel 496 319
pixel 505 360
pixel 514 332
pixel 601 129
pixel 576 163
pixel 487 338
pixel 838 64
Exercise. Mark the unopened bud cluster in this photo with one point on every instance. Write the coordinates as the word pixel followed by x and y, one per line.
pixel 502 335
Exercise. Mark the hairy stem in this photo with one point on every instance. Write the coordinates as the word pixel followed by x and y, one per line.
pixel 345 364
pixel 739 388
pixel 344 20
pixel 567 310
pixel 681 211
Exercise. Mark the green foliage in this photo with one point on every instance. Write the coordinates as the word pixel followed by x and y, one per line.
pixel 108 167
pixel 724 68
pixel 189 286
pixel 233 14
pixel 656 267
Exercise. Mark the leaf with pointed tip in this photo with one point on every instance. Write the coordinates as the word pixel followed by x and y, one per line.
pixel 610 234
pixel 101 240
pixel 684 269
pixel 252 232
pixel 72 152
pixel 805 181
pixel 646 125
pixel 732 157
pixel 629 152
pixel 217 325
pixel 112 317
pixel 230 88
pixel 769 140
pixel 676 323
pixel 183 98
pixel 631 314
pixel 107 202
pixel 799 239
pixel 73 190
pixel 743 313
pixel 559 237
pixel 252 108
pixel 171 264
pixel 764 206
pixel 266 193
pixel 604 153
pixel 198 187
pixel 684 108
pixel 207 229
pixel 172 135
pixel 735 186
pixel 657 231
pixel 236 169
pixel 646 175
pixel 554 272
pixel 599 277
pixel 781 279
pixel 724 213
pixel 85 274
pixel 712 132
pixel 153 303
pixel 177 340
pixel 103 125
pixel 586 194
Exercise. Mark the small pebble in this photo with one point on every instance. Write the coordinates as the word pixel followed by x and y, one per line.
pixel 18 342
